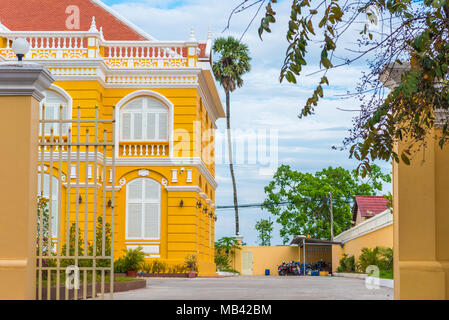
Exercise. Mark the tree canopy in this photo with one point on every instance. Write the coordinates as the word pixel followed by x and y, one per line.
pixel 387 33
pixel 300 200
pixel 265 228
pixel 232 62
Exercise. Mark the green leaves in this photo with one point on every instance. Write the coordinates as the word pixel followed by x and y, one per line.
pixel 405 158
pixel 231 63
pixel 308 211
pixel 267 19
pixel 265 229
pixel 417 34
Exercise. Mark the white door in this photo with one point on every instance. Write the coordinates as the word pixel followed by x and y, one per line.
pixel 247 263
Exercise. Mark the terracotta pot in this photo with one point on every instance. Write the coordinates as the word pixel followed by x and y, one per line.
pixel 192 274
pixel 131 274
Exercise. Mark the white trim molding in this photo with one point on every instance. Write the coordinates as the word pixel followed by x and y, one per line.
pixel 152 94
pixel 140 162
pixel 377 222
pixel 183 188
pixel 65 95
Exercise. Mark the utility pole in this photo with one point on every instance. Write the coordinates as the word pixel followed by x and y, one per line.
pixel 332 216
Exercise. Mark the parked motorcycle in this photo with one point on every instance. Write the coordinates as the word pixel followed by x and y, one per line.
pixel 282 269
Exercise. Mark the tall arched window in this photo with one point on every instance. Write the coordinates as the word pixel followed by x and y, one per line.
pixel 143 209
pixel 144 119
pixel 45 192
pixel 53 101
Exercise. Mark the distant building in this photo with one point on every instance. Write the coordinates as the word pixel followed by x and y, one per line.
pixel 366 207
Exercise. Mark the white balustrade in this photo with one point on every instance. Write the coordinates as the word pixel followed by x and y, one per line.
pixel 144 150
pixel 48 143
pixel 144 49
pixel 45 41
pixel 116 54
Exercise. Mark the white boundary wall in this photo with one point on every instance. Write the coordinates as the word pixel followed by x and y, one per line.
pixel 377 222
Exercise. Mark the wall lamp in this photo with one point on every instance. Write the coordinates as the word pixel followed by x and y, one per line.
pixel 80 200
pixel 110 203
pixel 20 47
pixel 181 203
pixel 199 204
pixel 205 210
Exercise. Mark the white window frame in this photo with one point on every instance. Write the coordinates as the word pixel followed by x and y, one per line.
pixel 142 231
pixel 149 93
pixel 67 116
pixel 145 111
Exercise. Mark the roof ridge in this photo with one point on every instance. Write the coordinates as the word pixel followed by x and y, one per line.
pixel 123 20
pixel 361 195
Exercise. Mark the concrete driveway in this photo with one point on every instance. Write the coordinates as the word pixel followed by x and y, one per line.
pixel 257 288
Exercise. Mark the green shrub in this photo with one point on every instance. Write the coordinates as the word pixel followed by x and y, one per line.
pixel 378 256
pixel 133 259
pixel 224 250
pixel 119 266
pixel 191 262
pixel 179 268
pixel 146 267
pixel 156 266
pixel 347 264
pixel 222 260
pixel 387 259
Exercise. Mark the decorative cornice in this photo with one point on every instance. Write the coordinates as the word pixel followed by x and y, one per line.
pixel 139 162
pixel 183 188
pixel 24 79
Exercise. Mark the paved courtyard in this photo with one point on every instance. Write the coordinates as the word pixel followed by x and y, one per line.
pixel 256 288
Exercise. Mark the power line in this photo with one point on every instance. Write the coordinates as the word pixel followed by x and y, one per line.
pixel 283 203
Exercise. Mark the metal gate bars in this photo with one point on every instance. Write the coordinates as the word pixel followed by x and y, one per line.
pixel 75 242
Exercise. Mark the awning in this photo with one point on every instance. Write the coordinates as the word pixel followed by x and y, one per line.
pixel 300 240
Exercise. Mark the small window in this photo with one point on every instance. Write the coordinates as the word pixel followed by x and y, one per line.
pixel 143 209
pixel 53 102
pixel 144 119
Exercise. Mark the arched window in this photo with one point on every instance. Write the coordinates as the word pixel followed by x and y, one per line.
pixel 53 101
pixel 144 119
pixel 143 209
pixel 45 192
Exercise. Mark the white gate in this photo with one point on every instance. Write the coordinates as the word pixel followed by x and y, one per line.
pixel 75 236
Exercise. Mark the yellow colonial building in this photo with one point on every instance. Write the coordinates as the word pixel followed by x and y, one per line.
pixel 145 111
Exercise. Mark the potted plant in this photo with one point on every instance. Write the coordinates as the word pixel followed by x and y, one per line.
pixel 191 264
pixel 132 260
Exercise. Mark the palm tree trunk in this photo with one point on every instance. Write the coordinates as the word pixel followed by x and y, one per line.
pixel 231 164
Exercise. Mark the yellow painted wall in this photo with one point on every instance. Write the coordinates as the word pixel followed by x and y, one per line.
pixel 379 238
pixel 421 222
pixel 184 230
pixel 272 257
pixel 18 130
pixel 266 258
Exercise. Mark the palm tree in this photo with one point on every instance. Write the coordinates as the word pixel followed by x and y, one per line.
pixel 232 63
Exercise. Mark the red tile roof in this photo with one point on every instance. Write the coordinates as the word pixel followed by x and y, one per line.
pixel 369 206
pixel 50 15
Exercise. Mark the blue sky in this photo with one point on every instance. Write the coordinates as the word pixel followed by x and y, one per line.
pixel 263 103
